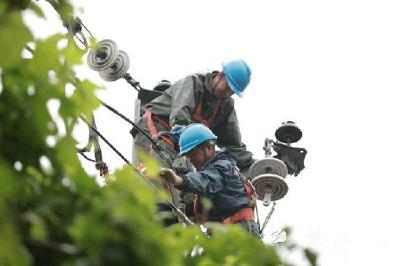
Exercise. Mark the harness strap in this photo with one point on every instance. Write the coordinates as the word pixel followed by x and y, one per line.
pixel 247 213
pixel 153 134
pixel 244 214
pixel 153 129
pixel 161 121
pixel 248 188
pixel 198 117
pixel 196 209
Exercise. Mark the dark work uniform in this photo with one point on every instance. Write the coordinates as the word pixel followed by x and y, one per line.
pixel 219 181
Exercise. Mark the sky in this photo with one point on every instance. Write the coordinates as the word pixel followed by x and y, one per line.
pixel 330 66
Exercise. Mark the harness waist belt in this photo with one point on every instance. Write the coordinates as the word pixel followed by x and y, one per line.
pixel 244 214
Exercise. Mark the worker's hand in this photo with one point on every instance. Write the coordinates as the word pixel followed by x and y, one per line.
pixel 169 176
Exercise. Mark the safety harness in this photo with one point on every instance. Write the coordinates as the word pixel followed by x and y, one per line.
pixel 153 130
pixel 198 117
pixel 246 213
pixel 243 214
pixel 154 134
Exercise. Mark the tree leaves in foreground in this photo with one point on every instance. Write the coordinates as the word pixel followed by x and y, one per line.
pixel 51 211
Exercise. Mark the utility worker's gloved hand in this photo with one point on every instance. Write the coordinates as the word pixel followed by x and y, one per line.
pixel 176 131
pixel 169 176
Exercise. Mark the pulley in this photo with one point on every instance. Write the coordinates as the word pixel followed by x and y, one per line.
pixel 288 133
pixel 104 56
pixel 270 187
pixel 118 69
pixel 268 166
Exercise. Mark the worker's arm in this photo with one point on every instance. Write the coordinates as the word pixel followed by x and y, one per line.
pixel 203 182
pixel 229 136
pixel 206 182
pixel 182 101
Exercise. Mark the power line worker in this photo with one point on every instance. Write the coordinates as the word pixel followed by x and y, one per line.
pixel 216 178
pixel 200 98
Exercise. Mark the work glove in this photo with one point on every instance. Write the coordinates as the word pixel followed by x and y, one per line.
pixel 169 176
pixel 176 131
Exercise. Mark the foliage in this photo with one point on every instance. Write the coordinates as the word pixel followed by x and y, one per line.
pixel 51 211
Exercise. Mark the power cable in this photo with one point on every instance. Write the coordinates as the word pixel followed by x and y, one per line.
pixel 86 157
pixel 74 26
pixel 175 209
pixel 104 139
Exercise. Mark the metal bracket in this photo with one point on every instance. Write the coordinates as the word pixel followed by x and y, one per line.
pixel 291 156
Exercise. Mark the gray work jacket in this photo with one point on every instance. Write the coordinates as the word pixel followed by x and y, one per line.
pixel 177 105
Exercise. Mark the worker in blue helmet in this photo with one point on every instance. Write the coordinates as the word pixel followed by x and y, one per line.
pixel 237 74
pixel 201 98
pixel 216 178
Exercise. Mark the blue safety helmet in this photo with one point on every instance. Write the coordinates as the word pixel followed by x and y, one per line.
pixel 194 135
pixel 238 75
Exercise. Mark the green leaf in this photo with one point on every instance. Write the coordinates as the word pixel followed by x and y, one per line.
pixel 11 250
pixel 7 181
pixel 38 228
pixel 3 8
pixel 311 256
pixel 85 98
pixel 65 10
pixel 82 102
pixel 73 55
pixel 71 167
pixel 36 9
pixel 46 56
pixel 13 37
pixel 151 164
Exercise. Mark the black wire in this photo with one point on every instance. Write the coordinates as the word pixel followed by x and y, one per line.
pixel 82 41
pixel 116 151
pixel 158 149
pixel 87 158
pixel 29 49
pixel 83 25
pixel 156 146
pixel 104 139
pixel 112 109
pixel 176 210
